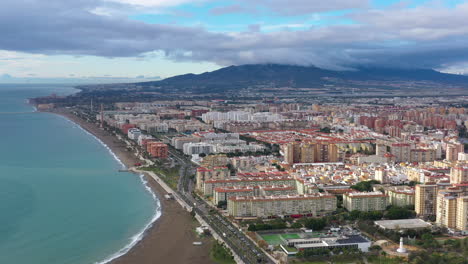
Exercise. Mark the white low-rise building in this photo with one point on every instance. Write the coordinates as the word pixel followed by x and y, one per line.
pixel 134 133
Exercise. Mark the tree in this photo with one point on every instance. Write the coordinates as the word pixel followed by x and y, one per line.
pixel 315 223
pixel 252 228
pixel 396 212
pixel 365 186
pixel 428 241
pixel 263 244
pixel 296 225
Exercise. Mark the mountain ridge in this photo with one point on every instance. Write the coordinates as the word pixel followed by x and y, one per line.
pixel 277 75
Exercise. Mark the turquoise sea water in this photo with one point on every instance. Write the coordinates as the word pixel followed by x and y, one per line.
pixel 62 199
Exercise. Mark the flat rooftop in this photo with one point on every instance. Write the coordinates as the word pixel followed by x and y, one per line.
pixel 403 224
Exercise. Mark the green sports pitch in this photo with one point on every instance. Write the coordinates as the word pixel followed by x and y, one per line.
pixel 277 239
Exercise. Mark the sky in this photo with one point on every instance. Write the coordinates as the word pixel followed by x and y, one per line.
pixel 127 40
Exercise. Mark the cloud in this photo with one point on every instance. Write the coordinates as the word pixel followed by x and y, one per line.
pixel 6 76
pixel 230 9
pixel 291 7
pixel 156 3
pixel 400 36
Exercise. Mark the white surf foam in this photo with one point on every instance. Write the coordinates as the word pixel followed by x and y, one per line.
pixel 140 235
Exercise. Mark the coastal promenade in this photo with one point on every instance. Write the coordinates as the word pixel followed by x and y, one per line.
pixel 170 237
pixel 164 232
pixel 243 248
pixel 189 208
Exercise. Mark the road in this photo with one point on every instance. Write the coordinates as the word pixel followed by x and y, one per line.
pixel 236 239
pixel 242 246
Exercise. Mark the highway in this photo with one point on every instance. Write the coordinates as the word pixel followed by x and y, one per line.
pixel 236 239
pixel 242 246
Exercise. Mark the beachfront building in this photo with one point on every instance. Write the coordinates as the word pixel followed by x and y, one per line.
pixel 317 204
pixel 134 133
pixel 157 150
pixel 365 201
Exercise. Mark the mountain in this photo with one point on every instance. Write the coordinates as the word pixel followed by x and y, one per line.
pixel 274 75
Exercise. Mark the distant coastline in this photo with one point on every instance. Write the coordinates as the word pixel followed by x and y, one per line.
pixel 168 230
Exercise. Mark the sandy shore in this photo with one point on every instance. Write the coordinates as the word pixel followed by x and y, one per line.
pixel 170 238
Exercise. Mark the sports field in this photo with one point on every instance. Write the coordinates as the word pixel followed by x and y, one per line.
pixel 276 239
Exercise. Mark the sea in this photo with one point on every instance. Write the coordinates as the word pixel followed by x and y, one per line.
pixel 62 197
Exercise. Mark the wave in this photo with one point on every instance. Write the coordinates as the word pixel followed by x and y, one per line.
pixel 140 235
pixel 98 140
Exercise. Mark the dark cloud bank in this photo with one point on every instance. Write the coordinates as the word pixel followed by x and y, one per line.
pixel 425 37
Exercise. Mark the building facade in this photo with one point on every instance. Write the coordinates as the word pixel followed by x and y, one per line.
pixel 365 201
pixel 266 206
pixel 425 199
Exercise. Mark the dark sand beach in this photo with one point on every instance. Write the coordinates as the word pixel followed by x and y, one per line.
pixel 170 238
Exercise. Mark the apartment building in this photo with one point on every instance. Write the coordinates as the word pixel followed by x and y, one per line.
pixel 265 206
pixel 224 193
pixel 462 214
pixel 381 175
pixel 446 209
pixel 210 185
pixel 179 142
pixel 401 196
pixel 152 128
pixel 422 155
pixel 198 148
pixel 451 153
pixel 401 151
pixel 157 150
pixel 215 172
pixel 425 199
pixel 310 152
pixel 365 201
pixel 459 174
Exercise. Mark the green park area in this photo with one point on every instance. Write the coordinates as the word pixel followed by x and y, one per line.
pixel 221 255
pixel 169 175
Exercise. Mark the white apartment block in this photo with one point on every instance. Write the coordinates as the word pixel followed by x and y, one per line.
pixel 198 148
pixel 310 205
pixel 365 201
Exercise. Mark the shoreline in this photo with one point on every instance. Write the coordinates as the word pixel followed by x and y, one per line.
pixel 171 228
